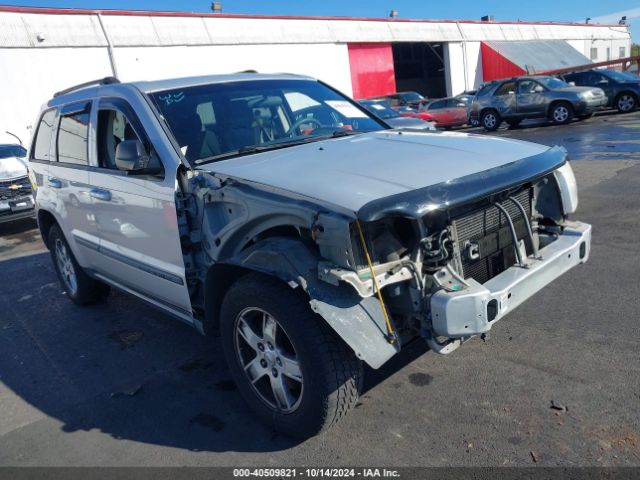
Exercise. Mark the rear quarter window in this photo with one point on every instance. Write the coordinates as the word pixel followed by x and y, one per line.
pixel 42 140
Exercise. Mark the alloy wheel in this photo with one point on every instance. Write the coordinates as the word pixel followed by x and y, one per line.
pixel 268 359
pixel 560 113
pixel 626 103
pixel 65 265
pixel 489 120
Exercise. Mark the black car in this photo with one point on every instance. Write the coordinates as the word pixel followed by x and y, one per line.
pixel 515 99
pixel 621 88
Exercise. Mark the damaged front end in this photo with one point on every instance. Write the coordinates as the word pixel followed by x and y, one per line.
pixel 452 259
pixel 443 262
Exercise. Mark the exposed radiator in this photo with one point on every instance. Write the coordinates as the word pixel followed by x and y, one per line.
pixel 484 239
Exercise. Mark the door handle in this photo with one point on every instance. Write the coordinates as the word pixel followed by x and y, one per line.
pixel 55 183
pixel 100 194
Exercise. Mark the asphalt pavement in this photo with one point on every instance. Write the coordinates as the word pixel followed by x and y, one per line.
pixel 121 385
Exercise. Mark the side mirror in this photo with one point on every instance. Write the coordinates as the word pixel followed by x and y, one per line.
pixel 538 89
pixel 603 81
pixel 573 84
pixel 511 92
pixel 461 104
pixel 132 157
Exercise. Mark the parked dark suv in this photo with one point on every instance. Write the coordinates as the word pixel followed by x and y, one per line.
pixel 621 88
pixel 515 99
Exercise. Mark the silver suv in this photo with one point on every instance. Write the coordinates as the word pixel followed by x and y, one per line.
pixel 278 213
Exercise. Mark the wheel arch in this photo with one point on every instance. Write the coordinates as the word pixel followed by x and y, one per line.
pixel 622 92
pixel 358 321
pixel 46 220
pixel 555 102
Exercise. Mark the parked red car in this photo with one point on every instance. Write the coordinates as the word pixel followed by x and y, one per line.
pixel 444 112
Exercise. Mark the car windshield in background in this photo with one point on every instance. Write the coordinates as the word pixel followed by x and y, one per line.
pixel 621 76
pixel 8 151
pixel 552 83
pixel 220 120
pixel 380 109
pixel 412 97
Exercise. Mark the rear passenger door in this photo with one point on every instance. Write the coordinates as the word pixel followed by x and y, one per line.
pixel 505 99
pixel 136 216
pixel 68 182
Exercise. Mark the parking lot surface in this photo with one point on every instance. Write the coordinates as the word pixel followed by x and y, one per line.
pixel 120 384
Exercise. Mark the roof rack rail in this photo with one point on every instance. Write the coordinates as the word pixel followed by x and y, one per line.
pixel 100 81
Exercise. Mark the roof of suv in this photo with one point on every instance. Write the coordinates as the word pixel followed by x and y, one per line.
pixel 96 88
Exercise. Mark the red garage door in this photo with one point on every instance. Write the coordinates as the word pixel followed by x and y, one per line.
pixel 372 70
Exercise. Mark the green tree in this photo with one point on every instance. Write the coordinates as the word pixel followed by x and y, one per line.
pixel 635 49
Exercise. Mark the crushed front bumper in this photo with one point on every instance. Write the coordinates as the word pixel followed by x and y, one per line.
pixel 475 309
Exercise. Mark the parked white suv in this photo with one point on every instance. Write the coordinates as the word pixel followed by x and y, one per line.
pixel 277 212
pixel 16 199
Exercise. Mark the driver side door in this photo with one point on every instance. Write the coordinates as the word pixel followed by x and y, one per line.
pixel 530 98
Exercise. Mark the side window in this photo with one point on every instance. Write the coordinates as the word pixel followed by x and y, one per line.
pixel 593 79
pixel 72 138
pixel 113 128
pixel 437 105
pixel 505 88
pixel 42 140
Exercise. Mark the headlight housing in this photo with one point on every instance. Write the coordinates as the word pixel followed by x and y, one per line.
pixel 568 188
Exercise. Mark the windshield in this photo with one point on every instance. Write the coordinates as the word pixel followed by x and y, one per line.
pixel 381 109
pixel 551 82
pixel 412 97
pixel 219 120
pixel 621 76
pixel 7 151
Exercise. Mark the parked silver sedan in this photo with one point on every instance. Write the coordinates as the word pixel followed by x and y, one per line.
pixel 515 99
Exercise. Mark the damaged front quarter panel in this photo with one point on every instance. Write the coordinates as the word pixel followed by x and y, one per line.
pixel 252 229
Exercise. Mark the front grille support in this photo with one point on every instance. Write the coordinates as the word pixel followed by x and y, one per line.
pixel 536 255
pixel 514 235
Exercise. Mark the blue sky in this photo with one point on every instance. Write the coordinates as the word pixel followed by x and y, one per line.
pixel 551 10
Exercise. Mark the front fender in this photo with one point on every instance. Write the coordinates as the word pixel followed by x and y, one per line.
pixel 358 321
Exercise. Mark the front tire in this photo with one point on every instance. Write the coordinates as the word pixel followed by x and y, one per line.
pixel 626 102
pixel 561 113
pixel 290 367
pixel 490 120
pixel 79 287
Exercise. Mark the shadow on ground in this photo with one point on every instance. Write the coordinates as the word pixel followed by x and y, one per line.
pixel 125 369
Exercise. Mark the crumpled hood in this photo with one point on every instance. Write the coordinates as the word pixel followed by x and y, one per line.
pixel 353 171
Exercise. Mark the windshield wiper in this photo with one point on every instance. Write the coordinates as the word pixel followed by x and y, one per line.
pixel 249 149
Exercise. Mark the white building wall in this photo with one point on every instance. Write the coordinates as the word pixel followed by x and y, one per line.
pixel 43 53
pixel 327 62
pixel 30 77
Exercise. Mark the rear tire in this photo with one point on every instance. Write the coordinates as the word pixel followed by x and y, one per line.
pixel 79 287
pixel 561 113
pixel 490 120
pixel 267 329
pixel 626 102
